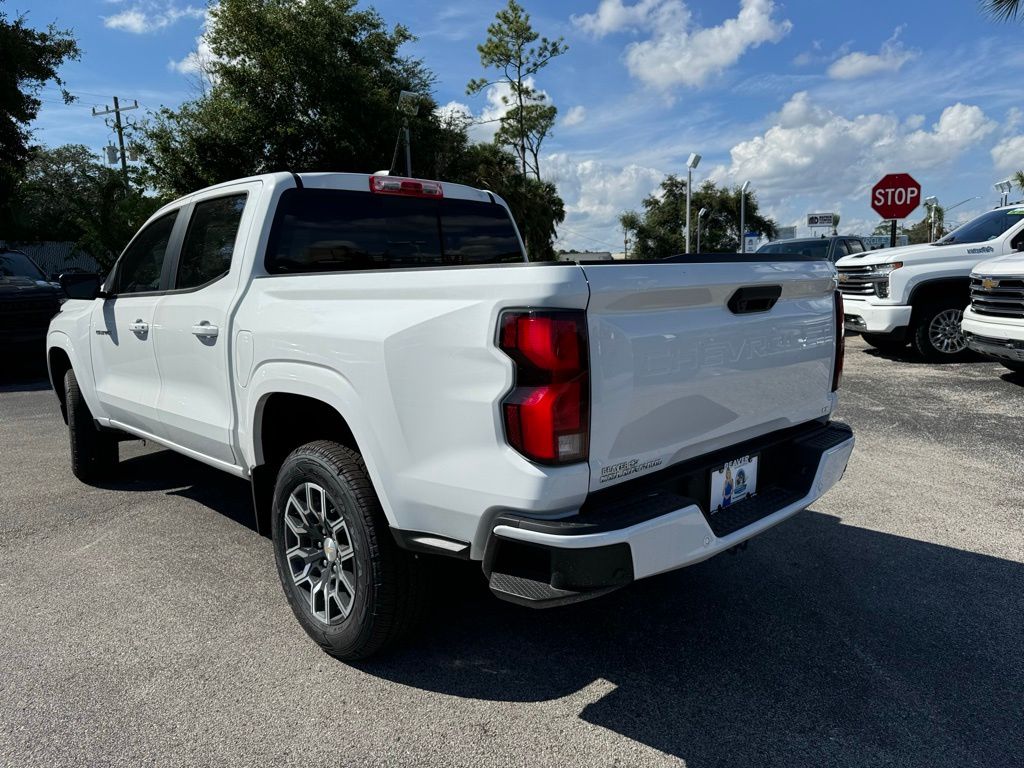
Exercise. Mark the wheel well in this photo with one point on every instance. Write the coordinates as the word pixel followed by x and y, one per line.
pixel 288 421
pixel 59 364
pixel 940 290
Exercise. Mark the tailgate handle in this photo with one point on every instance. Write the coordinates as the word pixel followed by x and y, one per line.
pixel 754 298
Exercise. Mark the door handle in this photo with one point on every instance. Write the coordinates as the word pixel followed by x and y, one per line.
pixel 139 326
pixel 205 330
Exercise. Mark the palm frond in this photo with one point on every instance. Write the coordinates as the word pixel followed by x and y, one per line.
pixel 1002 10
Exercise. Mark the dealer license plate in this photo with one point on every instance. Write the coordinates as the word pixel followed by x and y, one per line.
pixel 733 482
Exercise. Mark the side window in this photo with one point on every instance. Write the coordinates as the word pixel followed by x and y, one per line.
pixel 841 250
pixel 210 241
pixel 140 265
pixel 856 246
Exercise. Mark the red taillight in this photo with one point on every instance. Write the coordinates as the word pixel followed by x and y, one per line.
pixel 547 413
pixel 837 369
pixel 396 185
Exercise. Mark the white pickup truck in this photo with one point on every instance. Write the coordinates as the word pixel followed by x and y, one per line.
pixel 377 357
pixel 993 324
pixel 917 293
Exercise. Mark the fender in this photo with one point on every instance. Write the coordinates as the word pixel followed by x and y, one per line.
pixel 320 383
pixel 955 281
pixel 82 366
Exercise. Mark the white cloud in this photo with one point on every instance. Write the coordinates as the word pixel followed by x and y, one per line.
pixel 199 60
pixel 678 52
pixel 812 150
pixel 150 16
pixel 1008 154
pixel 574 116
pixel 595 194
pixel 890 58
pixel 484 125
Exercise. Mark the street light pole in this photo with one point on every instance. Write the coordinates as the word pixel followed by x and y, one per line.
pixel 931 202
pixel 700 216
pixel 743 216
pixel 691 163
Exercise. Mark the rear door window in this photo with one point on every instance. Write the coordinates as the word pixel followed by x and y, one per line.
pixel 210 241
pixel 329 230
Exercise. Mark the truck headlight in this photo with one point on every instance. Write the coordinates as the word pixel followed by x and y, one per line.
pixel 881 274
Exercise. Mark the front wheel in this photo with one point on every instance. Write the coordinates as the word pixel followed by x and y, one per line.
pixel 93 452
pixel 884 342
pixel 350 586
pixel 937 336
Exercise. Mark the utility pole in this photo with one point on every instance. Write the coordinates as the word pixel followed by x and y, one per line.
pixel 119 127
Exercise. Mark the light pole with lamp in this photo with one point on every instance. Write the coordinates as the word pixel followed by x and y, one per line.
pixel 931 202
pixel 692 163
pixel 700 215
pixel 1004 188
pixel 408 106
pixel 743 216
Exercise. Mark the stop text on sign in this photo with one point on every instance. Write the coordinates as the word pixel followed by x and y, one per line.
pixel 898 196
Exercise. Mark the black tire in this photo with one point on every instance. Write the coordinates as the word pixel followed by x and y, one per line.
pixel 1015 367
pixel 885 342
pixel 923 338
pixel 389 591
pixel 93 453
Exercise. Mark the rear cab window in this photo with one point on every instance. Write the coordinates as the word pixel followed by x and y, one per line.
pixel 331 230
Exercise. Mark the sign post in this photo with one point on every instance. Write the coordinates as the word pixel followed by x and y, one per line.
pixel 894 197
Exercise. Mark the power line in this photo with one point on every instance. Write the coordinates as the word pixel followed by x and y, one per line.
pixel 586 237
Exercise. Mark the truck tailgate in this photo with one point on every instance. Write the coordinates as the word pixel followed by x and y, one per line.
pixel 677 373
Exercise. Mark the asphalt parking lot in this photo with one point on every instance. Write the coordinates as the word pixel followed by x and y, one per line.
pixel 143 623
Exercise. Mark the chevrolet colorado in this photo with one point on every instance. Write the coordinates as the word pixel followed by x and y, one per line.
pixel 917 294
pixel 377 357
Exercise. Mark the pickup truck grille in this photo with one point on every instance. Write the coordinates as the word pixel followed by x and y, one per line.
pixel 858 281
pixel 998 296
pixel 25 314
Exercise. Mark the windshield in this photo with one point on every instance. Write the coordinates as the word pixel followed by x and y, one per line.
pixel 19 265
pixel 986 227
pixel 816 249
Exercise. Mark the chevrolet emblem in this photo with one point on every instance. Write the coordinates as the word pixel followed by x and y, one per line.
pixel 989 283
pixel 843 278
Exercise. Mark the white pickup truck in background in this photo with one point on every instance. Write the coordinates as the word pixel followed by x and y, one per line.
pixel 917 294
pixel 993 324
pixel 377 357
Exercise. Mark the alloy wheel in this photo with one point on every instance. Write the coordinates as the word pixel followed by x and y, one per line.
pixel 944 332
pixel 319 552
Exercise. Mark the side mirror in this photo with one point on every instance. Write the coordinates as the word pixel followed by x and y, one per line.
pixel 81 286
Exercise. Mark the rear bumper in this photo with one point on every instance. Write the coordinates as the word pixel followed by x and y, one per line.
pixel 864 317
pixel 660 526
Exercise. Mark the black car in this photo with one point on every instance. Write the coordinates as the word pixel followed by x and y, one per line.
pixel 27 302
pixel 831 248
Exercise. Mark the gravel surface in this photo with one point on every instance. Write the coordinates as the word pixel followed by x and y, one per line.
pixel 144 625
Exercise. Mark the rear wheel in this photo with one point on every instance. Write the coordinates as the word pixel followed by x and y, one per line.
pixel 937 336
pixel 1015 367
pixel 884 342
pixel 93 452
pixel 350 586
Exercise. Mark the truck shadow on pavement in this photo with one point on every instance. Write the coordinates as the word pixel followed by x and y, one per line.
pixel 822 644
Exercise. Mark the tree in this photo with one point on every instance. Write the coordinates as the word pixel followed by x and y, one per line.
pixel 510 49
pixel 66 193
pixel 1018 180
pixel 296 86
pixel 31 58
pixel 921 232
pixel 659 231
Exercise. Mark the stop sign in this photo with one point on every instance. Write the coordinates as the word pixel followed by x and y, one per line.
pixel 895 196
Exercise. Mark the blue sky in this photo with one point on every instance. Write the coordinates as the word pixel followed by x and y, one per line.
pixel 811 101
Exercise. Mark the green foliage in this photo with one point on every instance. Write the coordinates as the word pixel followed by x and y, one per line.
pixel 660 230
pixel 30 59
pixel 511 48
pixel 68 194
pixel 922 230
pixel 1002 10
pixel 309 86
